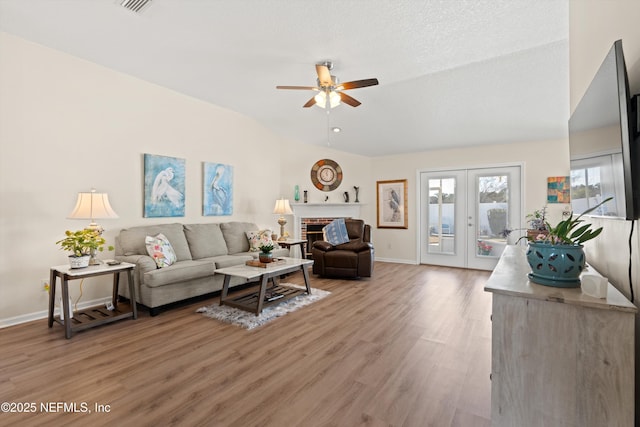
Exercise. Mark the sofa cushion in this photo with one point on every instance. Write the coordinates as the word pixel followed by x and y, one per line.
pixel 277 252
pixel 259 238
pixel 205 240
pixel 223 261
pixel 159 248
pixel 234 233
pixel 179 272
pixel 132 240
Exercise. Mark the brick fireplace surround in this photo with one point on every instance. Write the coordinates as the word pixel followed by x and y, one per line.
pixel 305 214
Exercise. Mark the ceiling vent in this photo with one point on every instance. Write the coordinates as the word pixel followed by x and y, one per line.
pixel 136 6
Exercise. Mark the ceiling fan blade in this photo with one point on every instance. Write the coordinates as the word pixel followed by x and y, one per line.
pixel 310 103
pixel 298 87
pixel 324 76
pixel 358 83
pixel 348 100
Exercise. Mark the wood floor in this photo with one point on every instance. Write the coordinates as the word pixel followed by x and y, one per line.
pixel 409 347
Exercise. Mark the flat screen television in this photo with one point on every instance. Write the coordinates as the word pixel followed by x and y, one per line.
pixel 603 143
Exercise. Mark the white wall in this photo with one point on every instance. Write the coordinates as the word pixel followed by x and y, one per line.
pixel 68 125
pixel 594 26
pixel 298 159
pixel 541 159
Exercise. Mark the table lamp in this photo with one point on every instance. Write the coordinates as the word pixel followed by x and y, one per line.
pixel 93 206
pixel 282 208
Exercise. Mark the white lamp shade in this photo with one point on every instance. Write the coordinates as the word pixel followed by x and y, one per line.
pixel 282 207
pixel 321 99
pixel 92 206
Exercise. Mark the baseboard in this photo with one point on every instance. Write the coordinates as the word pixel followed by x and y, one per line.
pixel 397 261
pixel 39 315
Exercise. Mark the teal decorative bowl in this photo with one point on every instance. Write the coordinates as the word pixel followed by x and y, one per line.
pixel 555 265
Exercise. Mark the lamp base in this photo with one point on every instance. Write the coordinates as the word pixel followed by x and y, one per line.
pixel 282 223
pixel 94 260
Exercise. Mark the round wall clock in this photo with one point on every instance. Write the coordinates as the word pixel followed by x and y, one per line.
pixel 326 175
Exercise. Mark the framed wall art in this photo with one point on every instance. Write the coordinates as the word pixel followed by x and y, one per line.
pixel 217 197
pixel 164 186
pixel 558 189
pixel 392 204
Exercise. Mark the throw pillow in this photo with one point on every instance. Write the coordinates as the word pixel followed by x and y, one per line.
pixel 258 238
pixel 160 250
pixel 336 232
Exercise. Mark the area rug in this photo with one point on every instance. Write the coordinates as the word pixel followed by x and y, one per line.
pixel 249 320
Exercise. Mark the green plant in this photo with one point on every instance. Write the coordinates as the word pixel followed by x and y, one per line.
pixel 82 242
pixel 537 219
pixel 266 248
pixel 570 231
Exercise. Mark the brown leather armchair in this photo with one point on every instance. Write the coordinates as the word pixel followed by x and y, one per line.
pixel 351 259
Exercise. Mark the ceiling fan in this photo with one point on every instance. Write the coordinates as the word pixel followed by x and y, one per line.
pixel 330 90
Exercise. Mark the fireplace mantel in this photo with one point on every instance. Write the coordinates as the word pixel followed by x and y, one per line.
pixel 322 210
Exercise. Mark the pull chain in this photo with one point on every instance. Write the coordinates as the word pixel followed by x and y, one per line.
pixel 328 130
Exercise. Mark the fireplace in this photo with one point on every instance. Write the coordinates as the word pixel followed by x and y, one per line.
pixel 311 230
pixel 321 214
pixel 314 232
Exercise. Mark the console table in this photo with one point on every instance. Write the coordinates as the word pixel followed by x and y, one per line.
pixel 558 356
pixel 94 316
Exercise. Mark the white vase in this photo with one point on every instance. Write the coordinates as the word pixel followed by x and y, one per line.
pixel 79 261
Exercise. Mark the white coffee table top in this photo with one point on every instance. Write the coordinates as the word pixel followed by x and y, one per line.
pixel 249 272
pixel 92 269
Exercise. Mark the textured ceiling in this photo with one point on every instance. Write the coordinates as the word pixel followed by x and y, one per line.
pixel 452 73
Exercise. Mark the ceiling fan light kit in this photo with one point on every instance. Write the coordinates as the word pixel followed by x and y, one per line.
pixel 321 99
pixel 330 93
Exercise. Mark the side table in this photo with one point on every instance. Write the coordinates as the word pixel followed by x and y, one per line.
pixel 94 316
pixel 293 242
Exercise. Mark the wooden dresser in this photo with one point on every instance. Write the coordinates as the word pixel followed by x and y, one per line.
pixel 559 357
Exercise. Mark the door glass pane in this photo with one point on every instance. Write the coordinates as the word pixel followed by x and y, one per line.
pixel 441 215
pixel 492 213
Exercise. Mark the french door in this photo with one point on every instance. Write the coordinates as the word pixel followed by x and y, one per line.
pixel 465 215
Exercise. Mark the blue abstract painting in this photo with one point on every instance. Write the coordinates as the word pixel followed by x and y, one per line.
pixel 217 196
pixel 164 186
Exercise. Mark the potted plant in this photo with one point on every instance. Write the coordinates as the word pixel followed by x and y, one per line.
pixel 484 248
pixel 82 244
pixel 537 222
pixel 265 254
pixel 497 220
pixel 556 255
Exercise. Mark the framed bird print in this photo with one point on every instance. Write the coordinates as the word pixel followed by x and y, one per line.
pixel 392 204
pixel 217 197
pixel 164 186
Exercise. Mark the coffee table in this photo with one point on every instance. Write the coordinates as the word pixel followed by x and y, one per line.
pixel 257 300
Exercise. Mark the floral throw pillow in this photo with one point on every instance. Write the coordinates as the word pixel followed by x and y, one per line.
pixel 259 238
pixel 160 250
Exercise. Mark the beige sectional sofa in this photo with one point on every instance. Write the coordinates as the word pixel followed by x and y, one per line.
pixel 199 249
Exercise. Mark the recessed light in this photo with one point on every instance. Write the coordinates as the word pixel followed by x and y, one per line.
pixel 336 129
